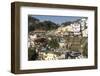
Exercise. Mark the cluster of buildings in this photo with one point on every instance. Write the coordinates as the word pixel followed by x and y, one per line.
pixel 77 28
pixel 39 38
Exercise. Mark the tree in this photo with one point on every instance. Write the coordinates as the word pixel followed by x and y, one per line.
pixel 85 50
pixel 32 23
pixel 49 25
pixel 32 54
pixel 53 43
pixel 32 19
pixel 66 23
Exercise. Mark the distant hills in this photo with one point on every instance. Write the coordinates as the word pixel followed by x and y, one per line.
pixel 34 23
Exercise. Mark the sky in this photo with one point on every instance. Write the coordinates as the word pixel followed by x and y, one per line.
pixel 56 19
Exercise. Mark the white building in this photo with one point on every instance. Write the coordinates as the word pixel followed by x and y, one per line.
pixel 85 33
pixel 76 28
pixel 31 40
pixel 83 23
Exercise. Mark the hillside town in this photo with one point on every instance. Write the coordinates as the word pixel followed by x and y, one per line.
pixel 67 41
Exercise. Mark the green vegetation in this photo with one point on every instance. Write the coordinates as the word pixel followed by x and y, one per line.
pixel 32 54
pixel 85 50
pixel 53 43
pixel 34 23
pixel 49 37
